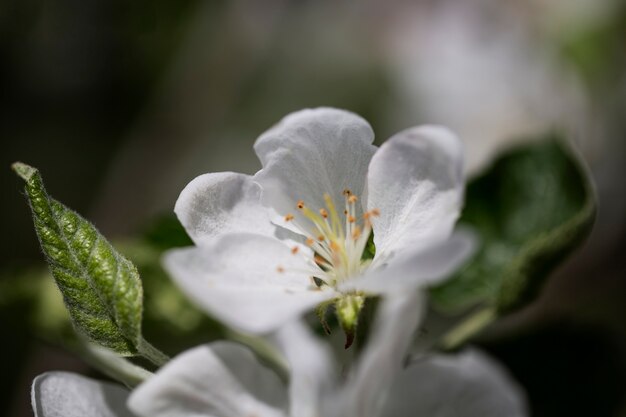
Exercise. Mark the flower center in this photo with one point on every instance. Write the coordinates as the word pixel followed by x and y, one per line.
pixel 338 242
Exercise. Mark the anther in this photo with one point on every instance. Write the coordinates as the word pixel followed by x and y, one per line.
pixel 351 219
pixel 300 204
pixel 310 241
pixel 324 213
pixel 280 269
pixel 375 212
pixel 295 250
pixel 289 217
pixel 347 192
pixel 319 260
pixel 321 238
pixel 334 246
pixel 352 199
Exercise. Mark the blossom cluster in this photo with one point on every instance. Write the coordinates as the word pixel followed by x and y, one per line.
pixel 329 222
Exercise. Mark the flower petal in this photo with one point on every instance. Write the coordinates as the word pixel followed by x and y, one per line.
pixel 311 153
pixel 416 181
pixel 199 382
pixel 385 353
pixel 222 202
pixel 311 369
pixel 416 270
pixel 252 282
pixel 64 394
pixel 468 384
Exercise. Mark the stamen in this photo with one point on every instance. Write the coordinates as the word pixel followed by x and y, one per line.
pixel 337 243
pixel 318 259
pixel 336 223
pixel 280 269
pixel 322 263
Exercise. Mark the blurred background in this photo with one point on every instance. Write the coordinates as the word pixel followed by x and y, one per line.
pixel 120 104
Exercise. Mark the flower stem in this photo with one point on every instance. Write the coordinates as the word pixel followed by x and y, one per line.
pixel 265 351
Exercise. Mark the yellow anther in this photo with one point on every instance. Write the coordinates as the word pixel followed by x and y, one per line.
pixel 300 204
pixel 280 269
pixel 352 199
pixel 324 213
pixel 321 238
pixel 372 213
pixel 295 250
pixel 289 217
pixel 351 219
pixel 310 241
pixel 334 246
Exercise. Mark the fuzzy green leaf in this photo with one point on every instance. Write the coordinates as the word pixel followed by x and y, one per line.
pixel 101 288
pixel 532 208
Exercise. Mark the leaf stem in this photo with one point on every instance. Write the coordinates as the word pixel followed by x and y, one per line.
pixel 112 365
pixel 467 328
pixel 151 353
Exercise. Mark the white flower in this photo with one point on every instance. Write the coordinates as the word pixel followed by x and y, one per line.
pixel 273 245
pixel 64 394
pixel 225 380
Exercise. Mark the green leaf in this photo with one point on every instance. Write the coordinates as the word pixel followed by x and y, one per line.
pixel 101 288
pixel 532 208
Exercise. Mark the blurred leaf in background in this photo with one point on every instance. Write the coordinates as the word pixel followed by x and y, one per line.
pixel 530 209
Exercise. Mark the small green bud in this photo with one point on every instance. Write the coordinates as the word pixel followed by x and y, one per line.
pixel 348 309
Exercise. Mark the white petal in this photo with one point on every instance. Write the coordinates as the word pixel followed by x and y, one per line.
pixel 426 267
pixel 237 279
pixel 415 180
pixel 311 369
pixel 63 394
pixel 468 384
pixel 198 383
pixel 222 202
pixel 311 153
pixel 385 353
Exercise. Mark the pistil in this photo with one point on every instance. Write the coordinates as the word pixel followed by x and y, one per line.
pixel 338 244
